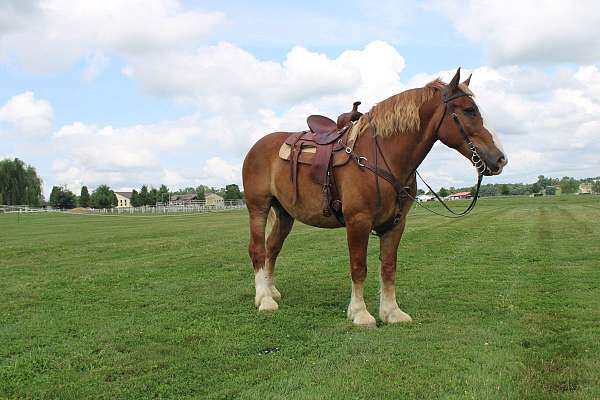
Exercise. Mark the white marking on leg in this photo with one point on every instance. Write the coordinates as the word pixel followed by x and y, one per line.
pixel 388 307
pixel 264 297
pixel 270 267
pixel 357 309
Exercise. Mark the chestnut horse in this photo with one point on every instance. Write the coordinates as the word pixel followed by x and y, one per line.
pixel 404 128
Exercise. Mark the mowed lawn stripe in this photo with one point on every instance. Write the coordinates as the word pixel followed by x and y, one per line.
pixel 563 305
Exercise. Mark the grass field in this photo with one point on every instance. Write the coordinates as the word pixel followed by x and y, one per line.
pixel 506 304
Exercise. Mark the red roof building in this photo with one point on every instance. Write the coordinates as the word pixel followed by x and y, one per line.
pixel 460 195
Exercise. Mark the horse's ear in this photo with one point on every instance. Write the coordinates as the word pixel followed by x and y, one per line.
pixel 454 82
pixel 468 80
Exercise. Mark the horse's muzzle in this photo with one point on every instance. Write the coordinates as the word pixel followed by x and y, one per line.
pixel 496 166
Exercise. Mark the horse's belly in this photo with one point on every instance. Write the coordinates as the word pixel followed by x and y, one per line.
pixel 319 221
pixel 309 205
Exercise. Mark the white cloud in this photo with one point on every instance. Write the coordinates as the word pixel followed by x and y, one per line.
pixel 171 152
pixel 14 14
pixel 51 34
pixel 28 116
pixel 515 31
pixel 225 77
pixel 118 156
pixel 216 171
pixel 173 179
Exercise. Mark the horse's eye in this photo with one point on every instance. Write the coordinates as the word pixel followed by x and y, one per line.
pixel 470 111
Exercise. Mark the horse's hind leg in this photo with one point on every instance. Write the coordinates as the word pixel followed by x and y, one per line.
pixel 281 224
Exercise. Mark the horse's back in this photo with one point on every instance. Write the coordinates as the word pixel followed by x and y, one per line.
pixel 263 153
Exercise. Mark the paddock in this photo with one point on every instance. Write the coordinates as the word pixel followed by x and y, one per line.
pixel 506 304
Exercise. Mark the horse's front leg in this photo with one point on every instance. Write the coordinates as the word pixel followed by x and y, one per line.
pixel 357 231
pixel 388 247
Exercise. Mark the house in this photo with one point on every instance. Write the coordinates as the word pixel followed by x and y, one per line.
pixel 459 196
pixel 184 199
pixel 585 188
pixel 214 200
pixel 123 199
pixel 425 197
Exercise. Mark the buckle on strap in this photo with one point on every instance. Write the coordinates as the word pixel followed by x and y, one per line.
pixel 361 161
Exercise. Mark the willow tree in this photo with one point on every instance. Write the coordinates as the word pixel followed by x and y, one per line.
pixel 19 183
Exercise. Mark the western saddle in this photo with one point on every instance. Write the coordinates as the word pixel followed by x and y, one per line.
pixel 326 137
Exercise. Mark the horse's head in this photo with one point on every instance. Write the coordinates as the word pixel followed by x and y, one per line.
pixel 461 127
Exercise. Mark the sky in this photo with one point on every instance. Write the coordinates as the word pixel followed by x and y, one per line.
pixel 132 92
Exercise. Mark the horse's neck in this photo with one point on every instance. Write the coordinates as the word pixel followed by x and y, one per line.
pixel 404 153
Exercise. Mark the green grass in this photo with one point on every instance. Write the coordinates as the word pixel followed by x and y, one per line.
pixel 506 304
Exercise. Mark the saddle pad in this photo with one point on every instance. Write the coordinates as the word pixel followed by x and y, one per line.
pixel 308 152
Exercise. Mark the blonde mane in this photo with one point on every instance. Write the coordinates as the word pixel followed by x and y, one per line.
pixel 399 114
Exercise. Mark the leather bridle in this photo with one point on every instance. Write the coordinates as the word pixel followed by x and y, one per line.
pixel 404 191
pixel 476 159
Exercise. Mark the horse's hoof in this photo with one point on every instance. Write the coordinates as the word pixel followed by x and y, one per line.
pixel 363 318
pixel 275 293
pixel 268 304
pixel 394 316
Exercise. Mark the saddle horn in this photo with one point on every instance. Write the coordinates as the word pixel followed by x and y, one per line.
pixel 354 115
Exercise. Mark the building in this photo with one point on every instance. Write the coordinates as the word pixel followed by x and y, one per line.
pixel 183 199
pixel 585 188
pixel 214 200
pixel 123 199
pixel 459 196
pixel 425 197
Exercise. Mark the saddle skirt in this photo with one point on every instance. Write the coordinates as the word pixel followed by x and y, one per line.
pixel 308 151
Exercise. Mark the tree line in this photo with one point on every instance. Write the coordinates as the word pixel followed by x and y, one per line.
pixel 104 197
pixel 545 185
pixel 101 197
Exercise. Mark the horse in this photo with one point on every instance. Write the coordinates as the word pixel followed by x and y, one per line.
pixel 400 131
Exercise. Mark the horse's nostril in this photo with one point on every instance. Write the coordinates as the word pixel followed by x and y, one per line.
pixel 502 160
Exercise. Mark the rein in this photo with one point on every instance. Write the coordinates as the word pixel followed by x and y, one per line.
pixel 404 191
pixel 438 198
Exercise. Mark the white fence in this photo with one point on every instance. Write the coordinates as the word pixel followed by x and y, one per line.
pixel 25 209
pixel 192 207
